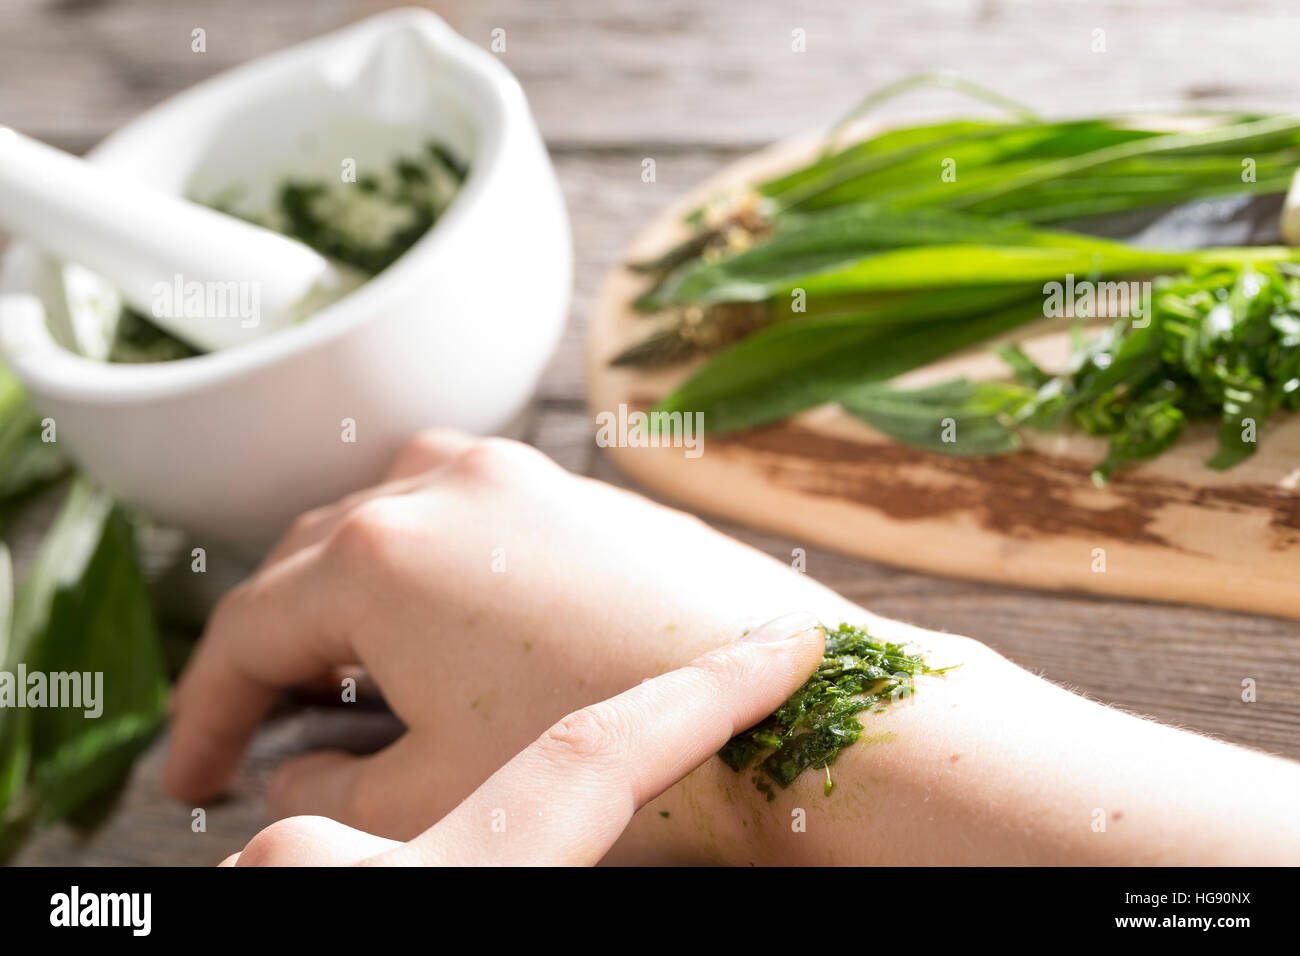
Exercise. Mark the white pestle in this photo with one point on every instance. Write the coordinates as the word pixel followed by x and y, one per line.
pixel 151 244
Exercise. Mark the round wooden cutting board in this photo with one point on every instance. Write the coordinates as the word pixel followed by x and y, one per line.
pixel 1169 530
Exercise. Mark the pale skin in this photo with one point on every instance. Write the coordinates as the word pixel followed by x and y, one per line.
pixel 489 594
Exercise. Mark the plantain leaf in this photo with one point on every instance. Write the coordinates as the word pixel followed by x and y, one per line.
pixel 26 462
pixel 1239 139
pixel 793 366
pixel 15 743
pixel 856 175
pixel 967 265
pixel 892 142
pixel 907 246
pixel 870 248
pixel 6 601
pixel 83 608
pixel 810 243
pixel 959 418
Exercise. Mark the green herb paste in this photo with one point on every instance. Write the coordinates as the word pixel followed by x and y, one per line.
pixel 810 729
pixel 368 225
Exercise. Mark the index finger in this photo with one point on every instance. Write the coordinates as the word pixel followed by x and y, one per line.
pixel 568 797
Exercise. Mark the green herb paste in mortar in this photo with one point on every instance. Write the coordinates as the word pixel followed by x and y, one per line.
pixel 368 225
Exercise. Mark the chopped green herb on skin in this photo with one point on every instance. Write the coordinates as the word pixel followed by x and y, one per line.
pixel 812 727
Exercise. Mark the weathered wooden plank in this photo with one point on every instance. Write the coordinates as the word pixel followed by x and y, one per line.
pixel 681 71
pixel 149 829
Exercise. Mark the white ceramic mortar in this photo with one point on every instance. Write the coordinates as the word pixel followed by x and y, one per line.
pixel 235 443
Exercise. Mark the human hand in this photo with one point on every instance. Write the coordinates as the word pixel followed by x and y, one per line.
pixel 488 592
pixel 567 798
pixel 600 589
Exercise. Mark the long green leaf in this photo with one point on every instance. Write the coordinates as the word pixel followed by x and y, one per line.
pixel 6 601
pixel 26 461
pixel 83 608
pixel 888 143
pixel 102 624
pixel 967 265
pixel 791 367
pixel 959 418
pixel 857 175
pixel 810 243
pixel 1271 132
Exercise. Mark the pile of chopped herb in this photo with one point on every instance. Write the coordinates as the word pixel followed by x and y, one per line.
pixel 136 339
pixel 367 225
pixel 810 729
pixel 1220 345
pixel 371 223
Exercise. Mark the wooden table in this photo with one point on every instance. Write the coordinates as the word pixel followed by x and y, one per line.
pixel 695 85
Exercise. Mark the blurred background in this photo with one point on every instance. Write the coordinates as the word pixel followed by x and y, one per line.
pixel 696 85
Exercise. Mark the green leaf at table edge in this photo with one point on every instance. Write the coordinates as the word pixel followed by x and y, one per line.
pixel 85 577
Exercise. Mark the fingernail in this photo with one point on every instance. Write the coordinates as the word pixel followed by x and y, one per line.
pixel 782 628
